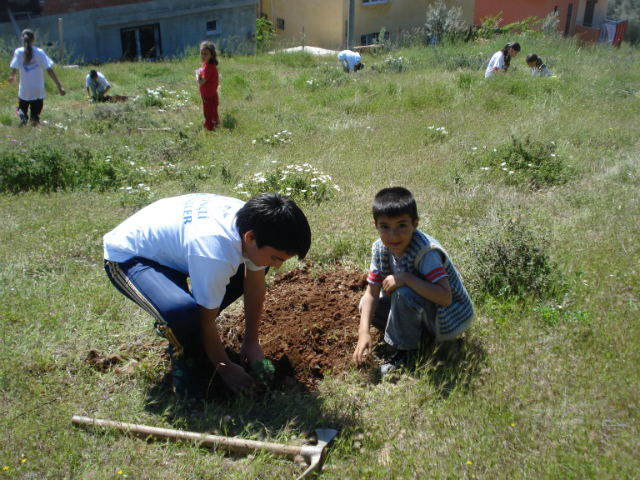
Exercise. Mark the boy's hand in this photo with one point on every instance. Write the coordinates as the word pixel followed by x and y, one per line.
pixel 251 352
pixel 391 282
pixel 238 380
pixel 365 345
pixel 62 91
pixel 12 78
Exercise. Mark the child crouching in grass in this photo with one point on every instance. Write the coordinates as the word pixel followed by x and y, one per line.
pixel 422 289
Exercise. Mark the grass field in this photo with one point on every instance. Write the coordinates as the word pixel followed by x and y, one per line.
pixel 533 190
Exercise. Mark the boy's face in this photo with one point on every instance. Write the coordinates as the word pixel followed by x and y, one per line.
pixel 264 256
pixel 396 233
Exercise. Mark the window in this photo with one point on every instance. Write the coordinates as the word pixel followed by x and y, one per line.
pixel 372 2
pixel 280 23
pixel 567 27
pixel 372 38
pixel 588 13
pixel 213 27
pixel 556 9
pixel 143 41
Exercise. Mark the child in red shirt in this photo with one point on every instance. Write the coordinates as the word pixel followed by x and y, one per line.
pixel 207 78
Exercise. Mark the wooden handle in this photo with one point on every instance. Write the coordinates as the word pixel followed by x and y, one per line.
pixel 209 441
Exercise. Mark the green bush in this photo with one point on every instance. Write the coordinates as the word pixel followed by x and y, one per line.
pixel 531 163
pixel 301 183
pixel 49 166
pixel 512 261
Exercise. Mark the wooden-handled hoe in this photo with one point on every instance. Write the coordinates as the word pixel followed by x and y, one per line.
pixel 314 455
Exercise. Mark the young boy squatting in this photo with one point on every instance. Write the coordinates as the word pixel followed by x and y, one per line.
pixel 223 245
pixel 422 289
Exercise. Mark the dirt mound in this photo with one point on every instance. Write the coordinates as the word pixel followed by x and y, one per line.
pixel 309 324
pixel 309 328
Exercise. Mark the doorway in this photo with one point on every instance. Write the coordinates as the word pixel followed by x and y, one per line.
pixel 141 42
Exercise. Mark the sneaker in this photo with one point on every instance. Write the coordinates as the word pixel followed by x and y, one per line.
pixel 23 118
pixel 188 378
pixel 400 360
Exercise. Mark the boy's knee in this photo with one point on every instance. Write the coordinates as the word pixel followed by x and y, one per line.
pixel 182 310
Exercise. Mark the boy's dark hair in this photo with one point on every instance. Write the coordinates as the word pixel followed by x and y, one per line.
pixel 277 222
pixel 93 74
pixel 358 66
pixel 209 45
pixel 394 202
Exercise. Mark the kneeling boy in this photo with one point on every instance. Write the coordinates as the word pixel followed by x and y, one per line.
pixel 422 290
pixel 223 246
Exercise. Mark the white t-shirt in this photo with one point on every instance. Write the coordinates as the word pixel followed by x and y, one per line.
pixel 98 81
pixel 350 57
pixel 194 234
pixel 31 74
pixel 495 64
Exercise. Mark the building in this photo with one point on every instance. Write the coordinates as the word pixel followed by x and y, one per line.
pixel 577 17
pixel 338 24
pixel 103 30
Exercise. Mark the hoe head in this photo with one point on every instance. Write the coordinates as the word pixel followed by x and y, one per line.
pixel 315 455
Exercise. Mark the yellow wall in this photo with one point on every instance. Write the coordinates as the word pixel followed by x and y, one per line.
pixel 324 21
pixel 401 15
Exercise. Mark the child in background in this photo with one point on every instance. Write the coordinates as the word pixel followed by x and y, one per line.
pixel 351 61
pixel 207 78
pixel 31 61
pixel 538 69
pixel 422 290
pixel 502 59
pixel 97 86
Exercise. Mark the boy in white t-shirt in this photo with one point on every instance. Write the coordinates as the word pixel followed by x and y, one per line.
pixel 223 246
pixel 97 86
pixel 422 290
pixel 351 61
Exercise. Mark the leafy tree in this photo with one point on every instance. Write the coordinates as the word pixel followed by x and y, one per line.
pixel 264 32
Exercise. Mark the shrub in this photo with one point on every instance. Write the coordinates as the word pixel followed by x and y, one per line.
pixel 530 162
pixel 512 261
pixel 51 166
pixel 550 24
pixel 442 23
pixel 299 182
pixel 391 64
pixel 460 60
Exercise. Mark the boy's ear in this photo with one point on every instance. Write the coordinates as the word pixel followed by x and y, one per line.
pixel 249 237
pixel 415 223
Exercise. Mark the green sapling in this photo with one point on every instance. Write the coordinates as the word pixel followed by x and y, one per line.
pixel 262 370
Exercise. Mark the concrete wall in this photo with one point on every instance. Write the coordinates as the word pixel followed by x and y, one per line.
pixel 326 22
pixel 95 34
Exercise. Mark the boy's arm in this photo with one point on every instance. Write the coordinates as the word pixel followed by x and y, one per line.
pixel 54 77
pixel 369 305
pixel 232 374
pixel 438 292
pixel 254 293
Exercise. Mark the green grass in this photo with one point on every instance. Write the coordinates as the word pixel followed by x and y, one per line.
pixel 545 382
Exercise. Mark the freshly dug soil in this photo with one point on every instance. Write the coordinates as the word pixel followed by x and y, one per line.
pixel 309 328
pixel 309 325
